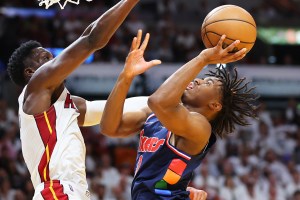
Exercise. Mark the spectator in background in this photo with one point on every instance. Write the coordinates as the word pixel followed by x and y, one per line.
pixel 296 195
pixel 294 185
pixel 133 24
pixel 292 112
pixel 107 172
pixel 228 190
pixel 123 189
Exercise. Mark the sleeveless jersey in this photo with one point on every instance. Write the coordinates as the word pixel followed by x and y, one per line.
pixel 52 144
pixel 162 171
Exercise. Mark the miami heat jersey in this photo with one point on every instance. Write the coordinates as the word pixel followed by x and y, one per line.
pixel 162 171
pixel 52 144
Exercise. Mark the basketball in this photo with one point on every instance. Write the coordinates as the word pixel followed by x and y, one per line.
pixel 233 21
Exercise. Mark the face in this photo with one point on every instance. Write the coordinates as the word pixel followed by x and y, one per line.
pixel 40 56
pixel 37 58
pixel 202 92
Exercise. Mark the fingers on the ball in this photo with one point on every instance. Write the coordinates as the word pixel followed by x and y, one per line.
pixel 145 42
pixel 220 43
pixel 233 45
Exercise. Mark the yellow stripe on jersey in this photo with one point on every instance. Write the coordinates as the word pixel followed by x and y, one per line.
pixel 47 147
pixel 52 191
pixel 48 159
pixel 48 123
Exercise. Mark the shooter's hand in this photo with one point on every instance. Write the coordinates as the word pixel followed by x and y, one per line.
pixel 217 54
pixel 135 62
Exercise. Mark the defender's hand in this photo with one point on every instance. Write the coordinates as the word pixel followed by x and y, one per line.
pixel 135 62
pixel 197 194
pixel 217 54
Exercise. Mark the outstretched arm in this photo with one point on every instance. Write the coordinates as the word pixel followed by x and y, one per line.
pixel 115 122
pixel 166 101
pixel 95 37
pixel 91 111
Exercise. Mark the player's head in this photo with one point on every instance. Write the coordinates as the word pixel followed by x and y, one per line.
pixel 238 101
pixel 25 60
pixel 224 99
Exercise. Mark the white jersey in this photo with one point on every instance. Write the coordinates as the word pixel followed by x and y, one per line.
pixel 52 143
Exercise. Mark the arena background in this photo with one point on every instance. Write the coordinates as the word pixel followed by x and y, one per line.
pixel 260 162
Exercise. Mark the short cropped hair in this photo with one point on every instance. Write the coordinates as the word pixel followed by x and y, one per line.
pixel 15 66
pixel 238 102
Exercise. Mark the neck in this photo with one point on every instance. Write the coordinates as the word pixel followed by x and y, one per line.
pixel 208 114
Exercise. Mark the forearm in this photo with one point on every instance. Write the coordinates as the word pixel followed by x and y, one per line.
pixel 180 80
pixel 113 111
pixel 105 26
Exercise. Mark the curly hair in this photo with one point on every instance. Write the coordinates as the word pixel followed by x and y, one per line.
pixel 15 66
pixel 238 102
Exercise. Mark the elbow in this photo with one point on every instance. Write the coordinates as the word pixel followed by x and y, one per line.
pixel 98 41
pixel 155 103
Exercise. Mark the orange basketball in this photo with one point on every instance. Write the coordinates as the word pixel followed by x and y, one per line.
pixel 233 21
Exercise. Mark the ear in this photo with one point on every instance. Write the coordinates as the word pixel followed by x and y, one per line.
pixel 28 72
pixel 215 106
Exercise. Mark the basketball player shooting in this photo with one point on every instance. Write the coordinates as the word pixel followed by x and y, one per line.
pixel 183 118
pixel 52 144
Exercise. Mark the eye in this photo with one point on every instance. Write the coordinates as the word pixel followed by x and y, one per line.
pixel 209 83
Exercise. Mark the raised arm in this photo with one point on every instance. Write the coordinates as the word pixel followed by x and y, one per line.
pixel 166 101
pixel 95 37
pixel 117 122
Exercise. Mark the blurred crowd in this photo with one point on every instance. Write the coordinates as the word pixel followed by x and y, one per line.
pixel 174 25
pixel 259 162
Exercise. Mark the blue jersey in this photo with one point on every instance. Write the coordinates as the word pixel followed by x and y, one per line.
pixel 161 170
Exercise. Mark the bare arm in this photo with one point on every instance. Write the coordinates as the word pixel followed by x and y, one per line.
pixel 115 122
pixel 91 111
pixel 189 125
pixel 95 37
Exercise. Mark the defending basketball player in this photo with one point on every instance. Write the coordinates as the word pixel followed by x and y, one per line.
pixel 52 144
pixel 182 120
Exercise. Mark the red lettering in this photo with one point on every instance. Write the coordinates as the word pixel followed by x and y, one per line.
pixel 153 142
pixel 69 102
pixel 157 145
pixel 142 142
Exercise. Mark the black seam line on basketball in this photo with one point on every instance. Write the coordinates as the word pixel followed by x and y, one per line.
pixel 231 38
pixel 217 11
pixel 207 38
pixel 230 20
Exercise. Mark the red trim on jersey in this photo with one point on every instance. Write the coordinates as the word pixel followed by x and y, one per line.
pixel 150 117
pixel 46 123
pixel 174 149
pixel 42 125
pixel 56 193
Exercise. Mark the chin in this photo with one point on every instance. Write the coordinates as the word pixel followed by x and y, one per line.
pixel 184 97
